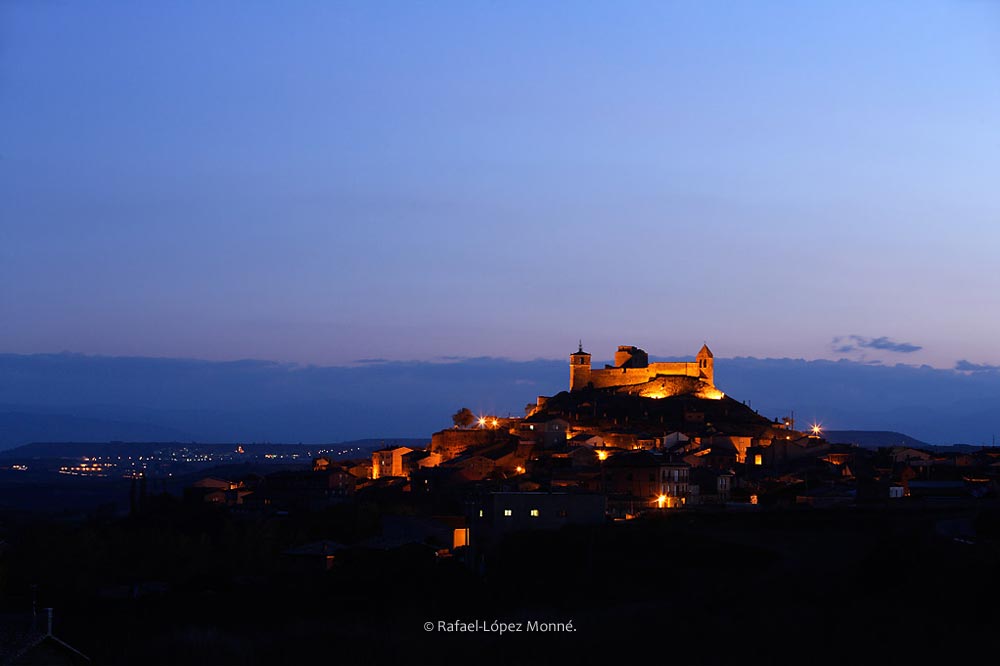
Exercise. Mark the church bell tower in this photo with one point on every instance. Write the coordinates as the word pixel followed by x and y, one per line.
pixel 706 365
pixel 579 369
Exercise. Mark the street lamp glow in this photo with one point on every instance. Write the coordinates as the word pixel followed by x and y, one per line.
pixel 816 429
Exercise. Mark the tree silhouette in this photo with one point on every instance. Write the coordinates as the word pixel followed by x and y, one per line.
pixel 463 418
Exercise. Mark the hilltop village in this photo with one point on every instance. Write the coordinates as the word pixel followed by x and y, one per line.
pixel 641 497
pixel 629 439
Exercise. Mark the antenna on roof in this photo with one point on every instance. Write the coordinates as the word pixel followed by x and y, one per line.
pixel 581 346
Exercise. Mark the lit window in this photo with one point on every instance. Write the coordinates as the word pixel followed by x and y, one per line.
pixel 758 459
pixel 508 512
pixel 480 513
pixel 534 513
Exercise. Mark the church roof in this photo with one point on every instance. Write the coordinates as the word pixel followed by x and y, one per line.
pixel 705 351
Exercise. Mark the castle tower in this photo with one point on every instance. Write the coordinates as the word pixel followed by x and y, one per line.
pixel 629 356
pixel 706 365
pixel 579 369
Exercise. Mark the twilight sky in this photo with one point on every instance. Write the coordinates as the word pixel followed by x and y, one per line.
pixel 326 182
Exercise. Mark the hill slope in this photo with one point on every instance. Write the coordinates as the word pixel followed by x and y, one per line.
pixel 873 438
pixel 612 410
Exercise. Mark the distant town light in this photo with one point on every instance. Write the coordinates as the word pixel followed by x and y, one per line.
pixel 661 501
pixel 602 455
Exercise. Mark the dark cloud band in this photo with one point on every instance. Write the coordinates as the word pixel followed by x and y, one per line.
pixel 846 344
pixel 967 366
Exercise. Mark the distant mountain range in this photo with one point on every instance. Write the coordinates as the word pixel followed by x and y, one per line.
pixel 873 438
pixel 21 427
pixel 62 397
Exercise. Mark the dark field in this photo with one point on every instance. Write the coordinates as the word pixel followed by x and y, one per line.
pixel 189 584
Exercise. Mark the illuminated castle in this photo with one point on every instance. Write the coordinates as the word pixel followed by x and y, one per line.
pixel 632 368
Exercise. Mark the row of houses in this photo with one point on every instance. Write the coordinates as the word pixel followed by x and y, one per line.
pixel 320 486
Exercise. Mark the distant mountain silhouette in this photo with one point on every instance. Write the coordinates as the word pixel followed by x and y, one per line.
pixel 20 427
pixel 872 438
pixel 264 401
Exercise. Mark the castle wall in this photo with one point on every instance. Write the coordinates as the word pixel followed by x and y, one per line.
pixel 454 441
pixel 628 376
pixel 665 387
pixel 676 369
pixel 619 377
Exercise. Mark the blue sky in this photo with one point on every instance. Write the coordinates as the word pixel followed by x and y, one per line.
pixel 324 182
